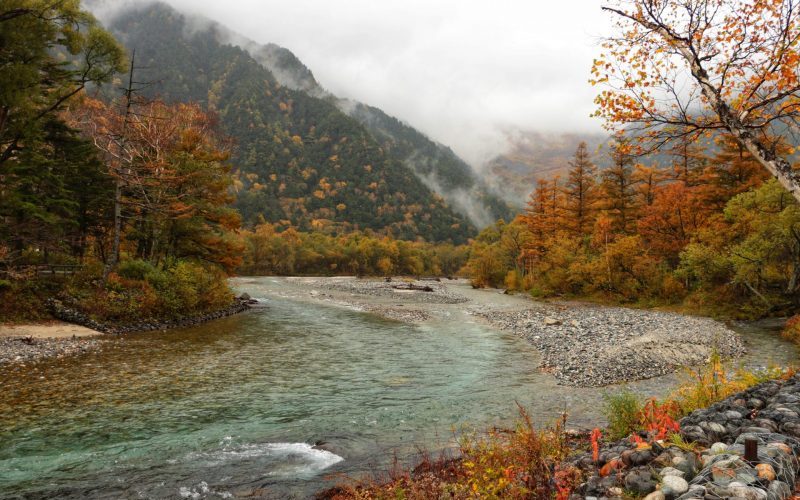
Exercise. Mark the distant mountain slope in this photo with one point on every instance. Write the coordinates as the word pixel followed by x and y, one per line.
pixel 435 164
pixel 300 159
pixel 533 156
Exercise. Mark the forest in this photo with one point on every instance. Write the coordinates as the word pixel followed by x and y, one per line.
pixel 145 199
pixel 709 231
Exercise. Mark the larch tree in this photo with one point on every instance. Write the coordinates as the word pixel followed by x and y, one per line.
pixel 680 69
pixel 580 191
pixel 618 185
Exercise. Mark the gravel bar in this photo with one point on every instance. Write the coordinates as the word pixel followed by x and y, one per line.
pixel 590 346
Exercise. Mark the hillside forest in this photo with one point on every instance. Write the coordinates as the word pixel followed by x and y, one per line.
pixel 131 193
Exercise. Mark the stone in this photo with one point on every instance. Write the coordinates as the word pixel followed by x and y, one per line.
pixel 551 321
pixel 747 492
pixel 244 296
pixel 674 486
pixel 616 491
pixel 718 448
pixel 656 495
pixel 714 427
pixel 781 446
pixel 670 471
pixel 755 403
pixel 686 464
pixel 640 481
pixel 693 433
pixel 765 471
pixel 641 457
pixel 779 489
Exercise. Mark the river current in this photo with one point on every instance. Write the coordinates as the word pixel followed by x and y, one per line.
pixel 235 407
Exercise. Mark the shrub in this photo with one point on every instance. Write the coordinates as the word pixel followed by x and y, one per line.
pixel 622 410
pixel 791 331
pixel 134 269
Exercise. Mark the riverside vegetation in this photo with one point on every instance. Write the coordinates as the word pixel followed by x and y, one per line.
pixel 128 207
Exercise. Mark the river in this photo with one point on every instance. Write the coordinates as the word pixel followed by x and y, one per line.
pixel 233 407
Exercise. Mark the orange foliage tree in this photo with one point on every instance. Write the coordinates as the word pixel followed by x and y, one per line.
pixel 680 69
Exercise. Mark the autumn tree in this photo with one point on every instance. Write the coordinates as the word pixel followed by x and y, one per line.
pixel 580 191
pixel 542 213
pixel 618 185
pixel 688 161
pixel 681 69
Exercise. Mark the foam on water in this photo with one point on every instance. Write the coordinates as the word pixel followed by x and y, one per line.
pixel 281 459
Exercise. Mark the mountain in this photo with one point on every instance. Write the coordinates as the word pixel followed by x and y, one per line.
pixel 533 156
pixel 435 164
pixel 300 159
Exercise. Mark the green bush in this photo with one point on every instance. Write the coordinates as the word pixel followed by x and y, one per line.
pixel 622 410
pixel 139 290
pixel 135 269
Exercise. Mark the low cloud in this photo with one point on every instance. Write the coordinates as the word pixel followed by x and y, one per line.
pixel 465 73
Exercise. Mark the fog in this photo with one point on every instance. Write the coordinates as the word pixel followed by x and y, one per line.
pixel 468 74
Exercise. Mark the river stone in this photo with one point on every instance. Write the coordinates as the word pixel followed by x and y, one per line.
pixel 693 433
pixel 674 486
pixel 670 471
pixel 747 492
pixel 791 428
pixel 718 448
pixel 766 471
pixel 551 321
pixel 714 427
pixel 779 489
pixel 755 403
pixel 640 481
pixel 641 457
pixel 656 495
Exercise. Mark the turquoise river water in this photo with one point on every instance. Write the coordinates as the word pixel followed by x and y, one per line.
pixel 234 407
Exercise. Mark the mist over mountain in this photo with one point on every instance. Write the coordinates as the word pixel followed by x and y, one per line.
pixel 533 156
pixel 304 156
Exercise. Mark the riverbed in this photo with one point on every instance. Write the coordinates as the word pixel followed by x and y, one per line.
pixel 235 407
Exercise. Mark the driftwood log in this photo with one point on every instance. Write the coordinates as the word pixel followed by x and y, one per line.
pixel 411 286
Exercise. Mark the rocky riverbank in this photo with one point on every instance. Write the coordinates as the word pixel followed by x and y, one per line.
pixel 714 465
pixel 595 346
pixel 24 348
pixel 27 349
pixel 65 313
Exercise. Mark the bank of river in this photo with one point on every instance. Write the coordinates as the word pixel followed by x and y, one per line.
pixel 233 407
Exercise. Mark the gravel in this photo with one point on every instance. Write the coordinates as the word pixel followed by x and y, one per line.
pixel 440 293
pixel 26 349
pixel 595 346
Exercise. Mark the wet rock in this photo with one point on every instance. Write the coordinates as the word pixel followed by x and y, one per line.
pixel 656 495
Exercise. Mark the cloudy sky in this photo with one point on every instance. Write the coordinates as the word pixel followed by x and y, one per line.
pixel 467 73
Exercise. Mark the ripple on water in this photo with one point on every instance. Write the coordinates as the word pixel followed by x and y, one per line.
pixel 232 405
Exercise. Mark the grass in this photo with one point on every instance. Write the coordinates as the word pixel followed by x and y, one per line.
pixel 523 462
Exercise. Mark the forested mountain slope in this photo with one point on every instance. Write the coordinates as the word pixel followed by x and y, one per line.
pixel 300 160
